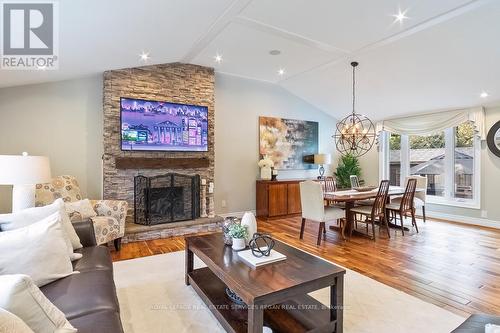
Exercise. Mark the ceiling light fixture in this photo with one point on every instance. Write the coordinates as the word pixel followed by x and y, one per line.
pixel 275 52
pixel 355 134
pixel 400 16
pixel 144 56
pixel 484 94
pixel 218 58
pixel 281 72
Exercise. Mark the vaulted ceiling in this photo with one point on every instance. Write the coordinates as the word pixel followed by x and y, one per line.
pixel 442 56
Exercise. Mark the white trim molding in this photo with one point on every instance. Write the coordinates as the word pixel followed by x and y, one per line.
pixel 464 219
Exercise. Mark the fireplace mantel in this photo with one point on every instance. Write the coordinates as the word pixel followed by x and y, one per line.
pixel 161 163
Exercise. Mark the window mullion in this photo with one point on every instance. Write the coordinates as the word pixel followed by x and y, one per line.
pixel 449 163
pixel 405 159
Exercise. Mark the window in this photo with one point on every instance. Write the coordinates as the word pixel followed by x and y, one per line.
pixel 464 161
pixel 395 160
pixel 449 159
pixel 427 158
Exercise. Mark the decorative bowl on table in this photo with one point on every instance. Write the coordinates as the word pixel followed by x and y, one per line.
pixel 364 188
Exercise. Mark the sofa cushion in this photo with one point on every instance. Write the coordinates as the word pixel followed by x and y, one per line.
pixel 83 293
pixel 102 321
pixel 93 258
pixel 39 250
pixel 20 296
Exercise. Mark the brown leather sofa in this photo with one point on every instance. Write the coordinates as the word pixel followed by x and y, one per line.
pixel 88 299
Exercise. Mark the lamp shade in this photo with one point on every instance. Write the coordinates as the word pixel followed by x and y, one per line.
pixel 322 159
pixel 24 170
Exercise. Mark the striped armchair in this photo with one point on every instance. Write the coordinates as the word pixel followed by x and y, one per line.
pixel 109 224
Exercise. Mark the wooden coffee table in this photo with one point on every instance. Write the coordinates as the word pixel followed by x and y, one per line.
pixel 276 294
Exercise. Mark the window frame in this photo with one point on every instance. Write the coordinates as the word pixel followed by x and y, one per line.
pixel 448 199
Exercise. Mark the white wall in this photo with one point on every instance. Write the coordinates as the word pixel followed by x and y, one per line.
pixel 62 120
pixel 238 105
pixel 490 180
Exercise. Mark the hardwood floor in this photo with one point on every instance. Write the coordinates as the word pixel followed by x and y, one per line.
pixel 454 266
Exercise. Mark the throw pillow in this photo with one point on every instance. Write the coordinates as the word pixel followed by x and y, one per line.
pixel 20 296
pixel 10 323
pixel 38 250
pixel 31 215
pixel 80 210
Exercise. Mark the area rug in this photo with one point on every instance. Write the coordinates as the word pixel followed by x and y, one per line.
pixel 153 298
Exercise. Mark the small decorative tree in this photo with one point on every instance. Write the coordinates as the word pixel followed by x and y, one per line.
pixel 348 165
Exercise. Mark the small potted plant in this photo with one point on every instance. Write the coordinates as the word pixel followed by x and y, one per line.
pixel 239 234
pixel 265 166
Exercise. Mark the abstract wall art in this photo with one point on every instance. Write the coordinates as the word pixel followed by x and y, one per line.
pixel 286 141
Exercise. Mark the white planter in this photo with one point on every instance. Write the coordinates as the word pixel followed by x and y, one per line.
pixel 265 173
pixel 239 244
pixel 250 222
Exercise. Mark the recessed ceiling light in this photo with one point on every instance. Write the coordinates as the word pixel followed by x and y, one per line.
pixel 281 72
pixel 484 94
pixel 274 52
pixel 144 56
pixel 218 58
pixel 400 16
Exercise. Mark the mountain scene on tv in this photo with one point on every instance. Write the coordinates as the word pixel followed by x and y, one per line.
pixel 162 126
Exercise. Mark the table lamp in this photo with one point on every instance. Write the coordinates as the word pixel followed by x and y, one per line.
pixel 322 159
pixel 23 172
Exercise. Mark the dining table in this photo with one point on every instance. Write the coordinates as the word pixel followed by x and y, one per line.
pixel 349 198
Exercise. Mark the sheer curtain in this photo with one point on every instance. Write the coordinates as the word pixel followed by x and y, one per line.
pixel 434 122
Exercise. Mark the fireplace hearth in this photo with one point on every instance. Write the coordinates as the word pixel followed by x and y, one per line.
pixel 172 197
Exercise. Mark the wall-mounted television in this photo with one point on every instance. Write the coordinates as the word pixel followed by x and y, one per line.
pixel 148 125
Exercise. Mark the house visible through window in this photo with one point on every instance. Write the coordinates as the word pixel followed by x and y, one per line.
pixel 449 159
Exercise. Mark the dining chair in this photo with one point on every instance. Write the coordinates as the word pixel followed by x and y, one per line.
pixel 420 197
pixel 354 181
pixel 330 184
pixel 406 205
pixel 313 208
pixel 375 211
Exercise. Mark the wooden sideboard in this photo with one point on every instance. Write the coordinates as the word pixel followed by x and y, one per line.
pixel 279 198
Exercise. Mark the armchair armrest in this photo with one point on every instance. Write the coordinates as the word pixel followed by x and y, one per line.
pixel 112 208
pixel 85 231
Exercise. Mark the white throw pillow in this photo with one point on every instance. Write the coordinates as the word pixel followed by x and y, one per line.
pixel 35 214
pixel 10 323
pixel 20 296
pixel 38 250
pixel 80 210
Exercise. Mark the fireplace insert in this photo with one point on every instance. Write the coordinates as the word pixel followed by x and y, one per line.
pixel 166 198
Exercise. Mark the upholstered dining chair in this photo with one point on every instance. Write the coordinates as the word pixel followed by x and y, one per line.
pixel 375 211
pixel 405 205
pixel 109 222
pixel 313 208
pixel 420 196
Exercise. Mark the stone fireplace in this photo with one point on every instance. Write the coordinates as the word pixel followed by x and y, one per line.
pixel 177 83
pixel 172 197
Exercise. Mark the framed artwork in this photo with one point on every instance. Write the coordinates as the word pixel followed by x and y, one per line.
pixel 287 141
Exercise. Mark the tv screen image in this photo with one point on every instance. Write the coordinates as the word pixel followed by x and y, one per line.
pixel 162 126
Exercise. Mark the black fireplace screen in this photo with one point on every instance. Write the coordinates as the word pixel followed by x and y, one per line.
pixel 167 198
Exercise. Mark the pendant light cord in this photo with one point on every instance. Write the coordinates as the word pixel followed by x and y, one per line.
pixel 353 89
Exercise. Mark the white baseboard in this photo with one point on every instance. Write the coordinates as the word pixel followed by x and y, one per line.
pixel 465 219
pixel 237 214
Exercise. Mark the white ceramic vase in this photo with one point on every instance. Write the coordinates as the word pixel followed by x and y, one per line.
pixel 239 244
pixel 248 220
pixel 265 173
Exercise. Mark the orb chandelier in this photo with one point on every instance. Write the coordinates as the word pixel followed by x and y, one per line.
pixel 355 134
